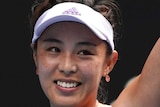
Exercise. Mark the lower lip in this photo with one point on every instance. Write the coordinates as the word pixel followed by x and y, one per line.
pixel 66 90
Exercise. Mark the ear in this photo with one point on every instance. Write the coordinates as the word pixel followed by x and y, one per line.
pixel 109 65
pixel 34 56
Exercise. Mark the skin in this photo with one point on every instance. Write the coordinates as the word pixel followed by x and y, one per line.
pixel 72 64
pixel 71 53
pixel 143 90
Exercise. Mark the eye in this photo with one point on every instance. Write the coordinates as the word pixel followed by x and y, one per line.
pixel 55 49
pixel 84 52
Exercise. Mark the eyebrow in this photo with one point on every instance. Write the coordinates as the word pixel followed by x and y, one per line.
pixel 52 40
pixel 86 43
pixel 79 43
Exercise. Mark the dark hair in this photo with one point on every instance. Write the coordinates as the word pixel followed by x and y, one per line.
pixel 108 8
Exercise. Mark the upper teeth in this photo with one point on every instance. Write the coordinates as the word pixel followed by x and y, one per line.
pixel 66 84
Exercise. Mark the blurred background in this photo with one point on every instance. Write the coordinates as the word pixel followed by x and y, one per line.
pixel 19 85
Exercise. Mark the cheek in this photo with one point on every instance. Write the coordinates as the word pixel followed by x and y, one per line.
pixel 92 70
pixel 91 74
pixel 46 69
pixel 45 65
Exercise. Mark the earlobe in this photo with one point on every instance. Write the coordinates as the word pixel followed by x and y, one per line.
pixel 37 72
pixel 105 74
pixel 34 58
pixel 110 63
pixel 34 54
pixel 107 77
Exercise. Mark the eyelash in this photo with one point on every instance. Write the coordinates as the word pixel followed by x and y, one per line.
pixel 81 52
pixel 54 49
pixel 84 52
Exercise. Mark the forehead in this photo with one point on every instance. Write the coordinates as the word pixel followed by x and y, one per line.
pixel 69 29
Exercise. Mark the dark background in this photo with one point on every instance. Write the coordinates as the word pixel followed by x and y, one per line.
pixel 19 86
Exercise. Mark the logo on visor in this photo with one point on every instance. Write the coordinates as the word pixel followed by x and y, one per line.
pixel 72 11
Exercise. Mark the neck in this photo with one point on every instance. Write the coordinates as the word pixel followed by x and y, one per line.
pixel 83 104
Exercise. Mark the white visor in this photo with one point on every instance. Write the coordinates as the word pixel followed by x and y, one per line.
pixel 77 12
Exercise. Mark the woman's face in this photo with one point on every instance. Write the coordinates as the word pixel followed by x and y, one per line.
pixel 70 62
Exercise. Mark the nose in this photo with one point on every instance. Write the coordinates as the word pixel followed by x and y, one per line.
pixel 67 65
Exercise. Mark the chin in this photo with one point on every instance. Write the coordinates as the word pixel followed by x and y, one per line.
pixel 65 102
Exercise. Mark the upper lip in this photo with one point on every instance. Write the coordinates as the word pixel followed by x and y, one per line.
pixel 68 81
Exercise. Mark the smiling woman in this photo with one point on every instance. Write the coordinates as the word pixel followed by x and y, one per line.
pixel 73 54
pixel 66 59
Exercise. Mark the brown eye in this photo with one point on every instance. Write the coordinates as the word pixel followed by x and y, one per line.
pixel 55 49
pixel 84 52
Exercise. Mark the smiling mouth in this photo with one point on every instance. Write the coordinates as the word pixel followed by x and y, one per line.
pixel 67 84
